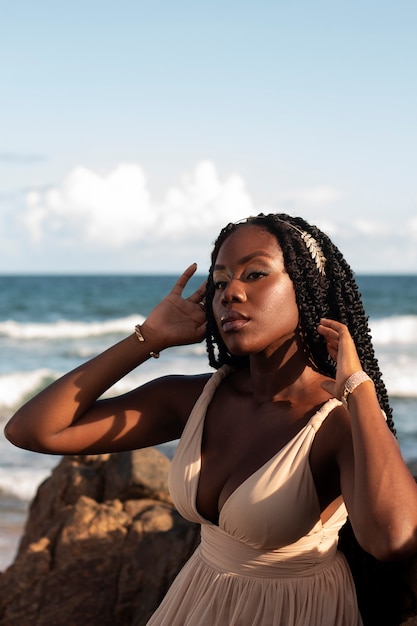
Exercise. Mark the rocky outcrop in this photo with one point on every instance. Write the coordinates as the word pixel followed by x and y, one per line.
pixel 101 546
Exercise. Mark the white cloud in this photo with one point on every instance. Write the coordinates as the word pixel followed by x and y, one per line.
pixel 35 215
pixel 109 210
pixel 203 201
pixel 106 223
pixel 115 210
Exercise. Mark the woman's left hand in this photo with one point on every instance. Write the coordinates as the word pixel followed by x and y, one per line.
pixel 341 348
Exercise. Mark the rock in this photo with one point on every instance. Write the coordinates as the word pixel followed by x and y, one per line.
pixel 142 474
pixel 102 544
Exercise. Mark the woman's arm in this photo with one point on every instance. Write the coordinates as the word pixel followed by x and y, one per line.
pixel 67 417
pixel 379 491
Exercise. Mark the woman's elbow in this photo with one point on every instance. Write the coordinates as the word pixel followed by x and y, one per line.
pixel 20 436
pixel 394 545
pixel 12 434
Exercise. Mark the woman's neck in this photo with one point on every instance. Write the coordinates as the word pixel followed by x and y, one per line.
pixel 283 374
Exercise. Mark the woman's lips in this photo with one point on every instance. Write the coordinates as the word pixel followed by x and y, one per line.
pixel 232 321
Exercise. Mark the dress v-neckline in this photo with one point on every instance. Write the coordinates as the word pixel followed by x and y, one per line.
pixel 273 459
pixel 261 468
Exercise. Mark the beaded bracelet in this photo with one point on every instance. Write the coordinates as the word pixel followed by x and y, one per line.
pixel 141 338
pixel 353 381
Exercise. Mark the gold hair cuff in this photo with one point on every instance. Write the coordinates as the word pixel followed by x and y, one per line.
pixel 141 338
pixel 353 381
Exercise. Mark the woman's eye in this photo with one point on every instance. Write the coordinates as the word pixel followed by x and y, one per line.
pixel 219 285
pixel 256 275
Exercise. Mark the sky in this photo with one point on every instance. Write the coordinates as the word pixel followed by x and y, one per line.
pixel 131 131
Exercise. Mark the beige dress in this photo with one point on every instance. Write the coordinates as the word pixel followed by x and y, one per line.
pixel 270 561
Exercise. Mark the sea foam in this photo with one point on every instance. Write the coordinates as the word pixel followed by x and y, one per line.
pixel 398 329
pixel 15 387
pixel 22 483
pixel 67 329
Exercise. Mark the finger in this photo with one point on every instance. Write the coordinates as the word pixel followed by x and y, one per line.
pixel 337 327
pixel 199 294
pixel 202 329
pixel 328 333
pixel 182 281
pixel 333 352
pixel 326 321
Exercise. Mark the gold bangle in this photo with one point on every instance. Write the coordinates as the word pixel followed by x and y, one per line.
pixel 141 338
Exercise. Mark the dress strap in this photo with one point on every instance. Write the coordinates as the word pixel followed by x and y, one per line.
pixel 185 466
pixel 319 417
pixel 199 409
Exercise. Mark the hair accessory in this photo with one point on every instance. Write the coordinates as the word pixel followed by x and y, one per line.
pixel 315 250
pixel 312 245
pixel 141 338
pixel 353 381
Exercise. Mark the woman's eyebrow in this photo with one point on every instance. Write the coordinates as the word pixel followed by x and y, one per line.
pixel 248 257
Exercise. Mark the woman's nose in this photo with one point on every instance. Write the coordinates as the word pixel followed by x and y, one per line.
pixel 233 292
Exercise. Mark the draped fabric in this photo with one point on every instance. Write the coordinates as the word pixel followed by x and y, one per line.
pixel 270 561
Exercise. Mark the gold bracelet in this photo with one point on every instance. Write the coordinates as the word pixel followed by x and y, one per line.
pixel 353 381
pixel 141 338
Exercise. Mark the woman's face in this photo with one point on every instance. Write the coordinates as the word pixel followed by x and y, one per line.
pixel 254 302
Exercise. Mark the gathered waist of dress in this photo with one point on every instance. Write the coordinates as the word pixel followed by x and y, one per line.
pixel 229 555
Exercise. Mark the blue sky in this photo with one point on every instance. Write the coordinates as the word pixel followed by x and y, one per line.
pixel 132 131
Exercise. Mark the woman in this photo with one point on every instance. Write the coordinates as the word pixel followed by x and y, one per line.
pixel 287 435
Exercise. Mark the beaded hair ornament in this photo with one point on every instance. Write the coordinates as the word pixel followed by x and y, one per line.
pixel 312 244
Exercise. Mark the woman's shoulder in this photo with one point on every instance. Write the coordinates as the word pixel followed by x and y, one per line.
pixel 335 433
pixel 194 382
pixel 179 383
pixel 179 391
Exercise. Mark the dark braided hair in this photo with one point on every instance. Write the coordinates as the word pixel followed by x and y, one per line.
pixel 334 295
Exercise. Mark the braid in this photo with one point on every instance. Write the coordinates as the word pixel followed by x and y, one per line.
pixel 335 295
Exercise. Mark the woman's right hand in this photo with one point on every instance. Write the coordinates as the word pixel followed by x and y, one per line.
pixel 177 320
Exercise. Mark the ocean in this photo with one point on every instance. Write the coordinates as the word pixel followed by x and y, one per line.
pixel 50 324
